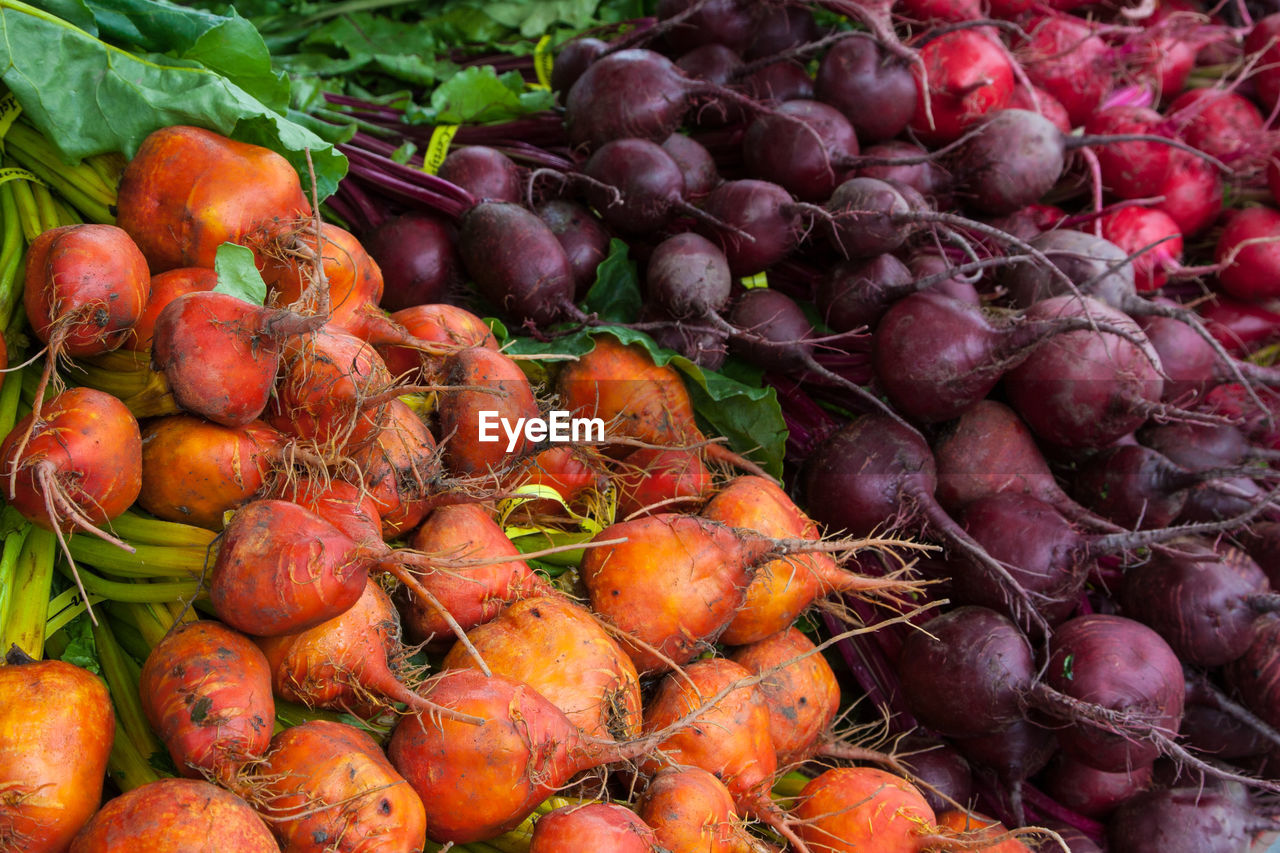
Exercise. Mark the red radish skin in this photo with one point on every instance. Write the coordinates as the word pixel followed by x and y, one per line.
pixel 1263 40
pixel 1136 229
pixel 593 826
pixel 1249 245
pixel 1192 195
pixel 176 816
pixel 1067 59
pixel 206 691
pixel 968 75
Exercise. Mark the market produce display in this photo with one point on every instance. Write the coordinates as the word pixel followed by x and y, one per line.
pixel 701 426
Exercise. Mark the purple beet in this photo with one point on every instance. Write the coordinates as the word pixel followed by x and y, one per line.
pixel 484 172
pixel 419 263
pixel 874 90
pixel 583 237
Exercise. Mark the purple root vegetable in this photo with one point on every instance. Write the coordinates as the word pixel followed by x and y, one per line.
pixel 1184 820
pixel 936 356
pixel 762 224
pixel 1138 487
pixel 418 260
pixel 485 172
pixel 637 186
pixel 989 450
pixel 572 60
pixel 875 91
pixel 689 277
pixel 583 237
pixel 517 263
pixel 1086 389
pixel 1089 791
pixel 805 157
pixel 698 167
pixel 1255 676
pixel 1204 601
pixel 878 472
pixel 637 93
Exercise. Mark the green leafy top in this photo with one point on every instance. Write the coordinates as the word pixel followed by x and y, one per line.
pixel 238 275
pixel 478 95
pixel 99 97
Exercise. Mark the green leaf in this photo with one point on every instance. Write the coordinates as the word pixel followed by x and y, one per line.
pixel 82 649
pixel 97 98
pixel 535 19
pixel 478 95
pixel 615 296
pixel 238 276
pixel 750 417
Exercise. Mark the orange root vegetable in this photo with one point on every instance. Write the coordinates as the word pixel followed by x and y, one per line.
pixel 593 826
pixel 862 809
pixel 81 466
pixel 440 323
pixel 575 472
pixel 478 782
pixel 347 507
pixel 559 649
pixel 330 789
pixel 673 586
pixel 206 691
pixel 220 354
pixel 637 399
pixel 56 730
pixel 281 569
pixel 85 287
pixel 188 191
pixel 222 467
pixel 782 589
pixel 166 287
pixel 651 477
pixel 475 594
pixel 399 468
pixel 728 736
pixel 470 447
pixel 342 664
pixel 691 811
pixel 354 282
pixel 800 691
pixel 974 829
pixel 332 390
pixel 176 816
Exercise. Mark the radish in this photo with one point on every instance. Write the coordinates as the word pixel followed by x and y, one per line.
pixel 1249 249
pixel 1067 59
pixel 206 691
pixel 967 74
pixel 1134 229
